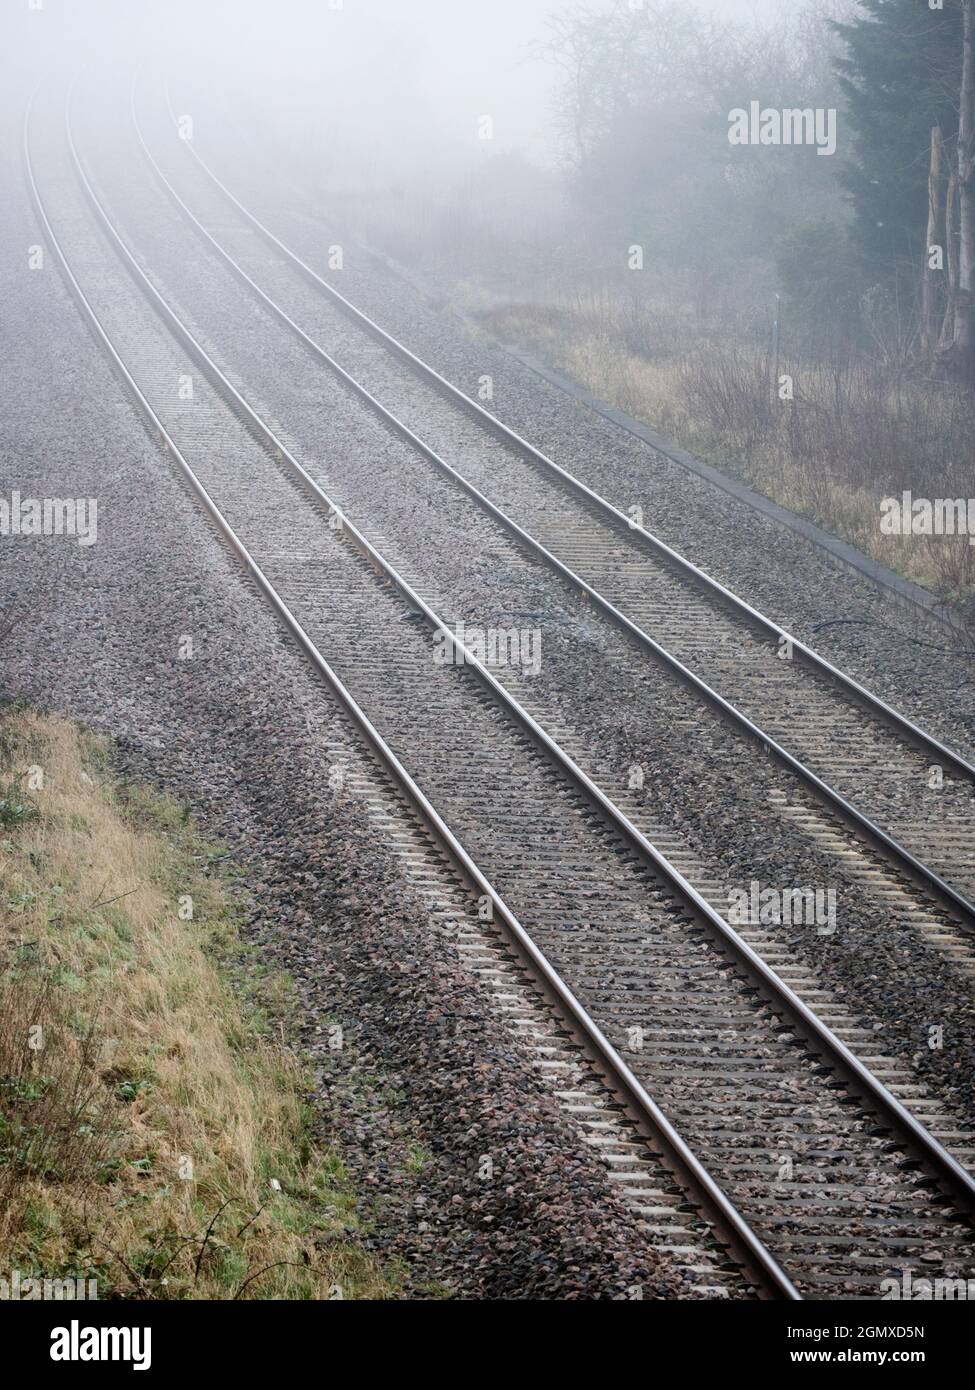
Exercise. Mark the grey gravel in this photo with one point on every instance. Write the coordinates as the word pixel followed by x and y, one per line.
pixel 706 784
pixel 233 732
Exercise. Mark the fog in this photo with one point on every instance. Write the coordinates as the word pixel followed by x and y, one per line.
pixel 523 158
pixel 393 73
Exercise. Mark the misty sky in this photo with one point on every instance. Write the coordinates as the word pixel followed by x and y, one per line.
pixel 381 61
pixel 389 70
pixel 481 53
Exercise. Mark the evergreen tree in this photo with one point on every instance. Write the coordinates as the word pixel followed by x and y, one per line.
pixel 901 75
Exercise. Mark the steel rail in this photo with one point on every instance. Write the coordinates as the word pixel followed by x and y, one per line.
pixel 911 731
pixel 934 1157
pixel 961 907
pixel 714 1204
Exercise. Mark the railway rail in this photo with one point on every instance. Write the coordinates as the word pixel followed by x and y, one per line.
pixel 865 761
pixel 874 757
pixel 733 1073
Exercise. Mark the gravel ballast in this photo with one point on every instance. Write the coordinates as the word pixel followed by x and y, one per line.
pixel 905 659
pixel 707 785
pixel 236 731
pixel 239 731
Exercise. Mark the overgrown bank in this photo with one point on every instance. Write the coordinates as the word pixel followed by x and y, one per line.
pixel 831 447
pixel 154 1135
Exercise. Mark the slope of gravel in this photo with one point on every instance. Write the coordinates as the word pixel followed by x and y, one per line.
pixel 236 731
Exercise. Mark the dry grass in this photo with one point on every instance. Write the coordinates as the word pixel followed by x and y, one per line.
pixel 152 1135
pixel 849 437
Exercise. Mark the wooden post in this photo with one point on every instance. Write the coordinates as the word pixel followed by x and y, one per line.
pixel 928 280
pixel 951 252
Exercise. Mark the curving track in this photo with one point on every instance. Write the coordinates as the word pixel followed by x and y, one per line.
pixel 865 760
pixel 751 1082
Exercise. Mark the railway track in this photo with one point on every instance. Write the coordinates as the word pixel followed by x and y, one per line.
pixel 817 1176
pixel 949 934
pixel 941 931
pixel 868 764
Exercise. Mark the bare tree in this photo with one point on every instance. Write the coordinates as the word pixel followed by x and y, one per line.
pixel 959 329
pixel 965 305
pixel 951 248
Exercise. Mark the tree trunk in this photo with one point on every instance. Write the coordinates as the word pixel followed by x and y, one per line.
pixel 929 284
pixel 965 305
pixel 951 251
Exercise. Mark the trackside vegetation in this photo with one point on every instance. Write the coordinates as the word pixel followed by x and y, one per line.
pixel 154 1130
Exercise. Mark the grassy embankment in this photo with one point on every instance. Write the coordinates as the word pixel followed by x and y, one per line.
pixel 850 436
pixel 153 1128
